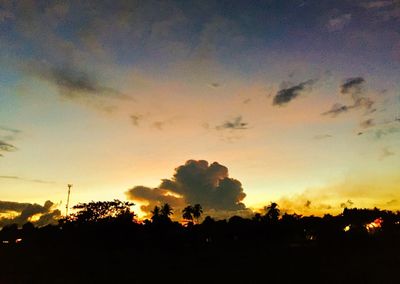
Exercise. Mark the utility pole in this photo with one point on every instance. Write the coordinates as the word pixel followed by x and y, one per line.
pixel 66 207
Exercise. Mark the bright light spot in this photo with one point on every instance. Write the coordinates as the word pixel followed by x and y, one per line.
pixel 347 228
pixel 18 241
pixel 5 242
pixel 375 225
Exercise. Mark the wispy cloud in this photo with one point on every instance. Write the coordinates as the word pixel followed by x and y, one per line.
pixel 336 109
pixel 135 119
pixel 386 152
pixel 235 124
pixel 72 81
pixel 6 147
pixel 367 123
pixel 353 87
pixel 27 179
pixel 284 96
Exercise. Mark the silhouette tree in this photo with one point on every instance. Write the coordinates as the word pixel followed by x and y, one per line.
pixel 166 210
pixel 188 213
pixel 272 212
pixel 102 211
pixel 197 211
pixel 156 214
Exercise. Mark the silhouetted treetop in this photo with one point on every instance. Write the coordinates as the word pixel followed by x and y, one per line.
pixel 103 210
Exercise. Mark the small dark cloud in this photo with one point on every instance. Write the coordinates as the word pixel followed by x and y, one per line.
pixel 307 204
pixel 347 204
pixel 246 101
pixel 6 147
pixel 352 85
pixel 196 181
pixel 24 211
pixel 285 95
pixel 336 109
pixel 367 123
pixel 236 124
pixel 135 119
pixel 215 85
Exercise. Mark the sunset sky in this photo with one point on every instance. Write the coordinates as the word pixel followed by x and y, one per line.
pixel 299 100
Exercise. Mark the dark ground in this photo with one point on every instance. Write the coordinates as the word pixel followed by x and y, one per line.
pixel 144 259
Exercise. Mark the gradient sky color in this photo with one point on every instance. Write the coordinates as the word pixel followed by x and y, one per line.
pixel 300 100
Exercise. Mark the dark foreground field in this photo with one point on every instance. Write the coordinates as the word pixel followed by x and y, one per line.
pixel 180 255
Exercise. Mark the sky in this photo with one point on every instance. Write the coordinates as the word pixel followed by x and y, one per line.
pixel 232 104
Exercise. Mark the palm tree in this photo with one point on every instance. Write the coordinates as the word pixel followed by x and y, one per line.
pixel 197 211
pixel 156 213
pixel 272 212
pixel 187 213
pixel 166 210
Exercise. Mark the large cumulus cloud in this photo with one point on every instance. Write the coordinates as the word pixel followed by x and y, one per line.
pixel 196 181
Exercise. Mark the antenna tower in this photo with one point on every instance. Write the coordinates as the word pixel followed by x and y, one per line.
pixel 66 206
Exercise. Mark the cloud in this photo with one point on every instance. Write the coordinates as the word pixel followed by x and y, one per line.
pixel 135 119
pixel 386 152
pixel 25 211
pixel 367 123
pixel 11 130
pixel 386 131
pixel 153 197
pixel 215 85
pixel 336 109
pixel 361 190
pixel 352 86
pixel 26 179
pixel 285 95
pixel 6 147
pixel 235 124
pixel 72 81
pixel 196 181
pixel 347 204
pixel 355 88
pixel 338 23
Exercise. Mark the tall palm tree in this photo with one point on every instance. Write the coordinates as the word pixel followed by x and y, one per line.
pixel 166 210
pixel 156 213
pixel 197 211
pixel 187 213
